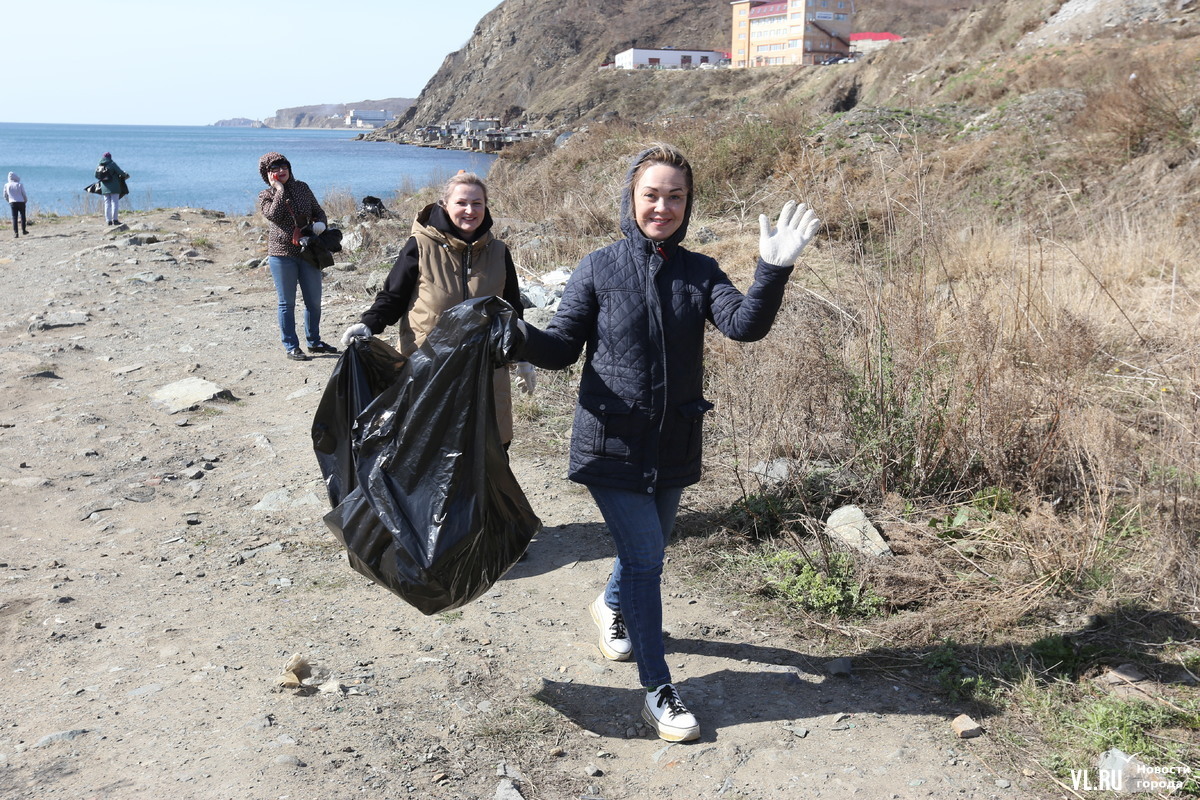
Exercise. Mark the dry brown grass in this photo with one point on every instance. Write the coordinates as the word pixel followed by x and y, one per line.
pixel 970 322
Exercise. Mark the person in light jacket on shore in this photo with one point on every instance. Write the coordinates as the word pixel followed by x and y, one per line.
pixel 450 257
pixel 637 310
pixel 290 207
pixel 14 193
pixel 112 185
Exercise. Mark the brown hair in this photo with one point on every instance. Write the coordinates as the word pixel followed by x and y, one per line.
pixel 659 153
pixel 463 178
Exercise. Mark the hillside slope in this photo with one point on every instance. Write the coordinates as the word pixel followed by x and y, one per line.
pixel 527 50
pixel 536 63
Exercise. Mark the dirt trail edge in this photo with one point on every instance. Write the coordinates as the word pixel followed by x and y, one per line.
pixel 159 570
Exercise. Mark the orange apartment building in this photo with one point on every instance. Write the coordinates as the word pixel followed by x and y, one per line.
pixel 781 32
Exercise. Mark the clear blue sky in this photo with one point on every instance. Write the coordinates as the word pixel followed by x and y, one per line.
pixel 175 62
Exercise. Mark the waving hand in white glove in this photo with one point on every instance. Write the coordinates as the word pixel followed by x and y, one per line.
pixel 356 331
pixel 797 226
pixel 526 377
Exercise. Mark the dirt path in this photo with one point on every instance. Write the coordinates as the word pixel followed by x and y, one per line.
pixel 158 571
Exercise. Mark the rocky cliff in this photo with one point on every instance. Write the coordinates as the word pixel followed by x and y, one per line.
pixel 332 115
pixel 525 53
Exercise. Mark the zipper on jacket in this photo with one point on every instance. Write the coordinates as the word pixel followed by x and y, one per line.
pixel 466 271
pixel 656 315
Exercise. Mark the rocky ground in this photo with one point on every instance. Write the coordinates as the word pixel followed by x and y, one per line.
pixel 160 569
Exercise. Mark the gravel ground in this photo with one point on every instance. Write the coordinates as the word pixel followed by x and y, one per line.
pixel 159 571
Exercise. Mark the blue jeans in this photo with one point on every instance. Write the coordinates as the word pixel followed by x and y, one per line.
pixel 288 272
pixel 640 524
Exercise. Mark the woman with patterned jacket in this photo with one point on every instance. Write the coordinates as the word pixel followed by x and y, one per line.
pixel 450 257
pixel 637 309
pixel 290 206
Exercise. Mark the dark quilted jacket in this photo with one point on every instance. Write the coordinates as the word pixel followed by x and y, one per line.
pixel 638 313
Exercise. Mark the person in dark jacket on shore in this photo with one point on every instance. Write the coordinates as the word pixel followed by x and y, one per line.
pixel 291 207
pixel 450 257
pixel 637 311
pixel 112 185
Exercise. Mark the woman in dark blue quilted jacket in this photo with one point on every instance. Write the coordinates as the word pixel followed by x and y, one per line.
pixel 637 311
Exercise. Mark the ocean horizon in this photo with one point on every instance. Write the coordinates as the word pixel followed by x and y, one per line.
pixel 212 167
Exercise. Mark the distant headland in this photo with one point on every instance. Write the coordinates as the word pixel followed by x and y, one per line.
pixel 365 114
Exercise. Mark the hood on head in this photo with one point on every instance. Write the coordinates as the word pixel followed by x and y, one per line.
pixel 268 160
pixel 435 216
pixel 14 177
pixel 628 223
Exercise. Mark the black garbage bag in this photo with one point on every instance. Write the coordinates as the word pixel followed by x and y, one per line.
pixel 435 514
pixel 372 207
pixel 366 369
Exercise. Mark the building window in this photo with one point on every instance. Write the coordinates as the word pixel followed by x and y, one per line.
pixel 840 17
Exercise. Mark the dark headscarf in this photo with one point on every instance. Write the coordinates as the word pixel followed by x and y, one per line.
pixel 270 160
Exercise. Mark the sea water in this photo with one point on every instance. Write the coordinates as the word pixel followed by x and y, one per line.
pixel 212 167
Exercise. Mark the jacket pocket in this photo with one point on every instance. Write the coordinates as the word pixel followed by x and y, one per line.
pixel 692 427
pixel 609 425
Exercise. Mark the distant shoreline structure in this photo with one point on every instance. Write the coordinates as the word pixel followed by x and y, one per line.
pixel 363 115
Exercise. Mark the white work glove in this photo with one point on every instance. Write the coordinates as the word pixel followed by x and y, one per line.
pixel 356 331
pixel 318 228
pixel 797 226
pixel 526 377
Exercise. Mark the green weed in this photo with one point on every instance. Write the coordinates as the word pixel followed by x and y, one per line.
pixel 958 681
pixel 828 588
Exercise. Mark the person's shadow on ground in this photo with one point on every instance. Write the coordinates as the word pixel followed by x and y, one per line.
pixel 788 686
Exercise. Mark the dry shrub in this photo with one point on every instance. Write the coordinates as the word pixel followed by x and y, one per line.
pixel 963 351
pixel 1138 108
pixel 338 203
pixel 935 344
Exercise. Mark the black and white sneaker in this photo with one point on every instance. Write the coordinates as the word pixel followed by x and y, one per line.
pixel 614 639
pixel 669 717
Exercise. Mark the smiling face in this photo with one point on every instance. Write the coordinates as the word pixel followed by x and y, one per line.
pixel 660 201
pixel 280 172
pixel 466 205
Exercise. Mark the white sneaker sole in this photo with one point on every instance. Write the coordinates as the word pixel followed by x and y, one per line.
pixel 670 733
pixel 605 650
